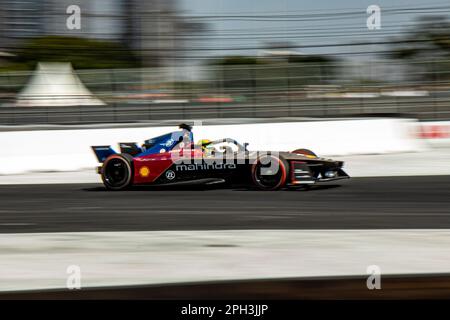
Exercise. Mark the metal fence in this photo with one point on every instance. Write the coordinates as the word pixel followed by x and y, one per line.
pixel 418 89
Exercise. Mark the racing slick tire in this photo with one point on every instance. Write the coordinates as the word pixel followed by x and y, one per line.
pixel 305 152
pixel 272 179
pixel 117 172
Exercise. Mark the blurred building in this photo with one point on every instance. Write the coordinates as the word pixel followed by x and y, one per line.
pixel 150 27
pixel 153 28
pixel 20 20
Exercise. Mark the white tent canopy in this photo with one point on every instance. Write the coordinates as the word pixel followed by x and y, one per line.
pixel 55 84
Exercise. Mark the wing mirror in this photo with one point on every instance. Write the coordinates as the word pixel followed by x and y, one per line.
pixel 245 146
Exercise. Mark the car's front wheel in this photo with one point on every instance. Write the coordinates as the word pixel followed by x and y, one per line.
pixel 117 172
pixel 269 172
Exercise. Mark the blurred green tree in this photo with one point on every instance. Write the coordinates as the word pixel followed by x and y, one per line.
pixel 81 52
pixel 426 49
pixel 285 71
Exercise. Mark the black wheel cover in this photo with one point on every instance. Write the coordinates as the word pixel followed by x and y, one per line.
pixel 116 173
pixel 268 181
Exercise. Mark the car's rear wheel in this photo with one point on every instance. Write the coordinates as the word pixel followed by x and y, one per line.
pixel 117 172
pixel 305 152
pixel 269 172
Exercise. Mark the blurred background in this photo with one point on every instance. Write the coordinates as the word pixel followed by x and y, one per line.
pixel 177 59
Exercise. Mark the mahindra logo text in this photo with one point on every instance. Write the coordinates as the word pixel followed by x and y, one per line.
pixel 214 166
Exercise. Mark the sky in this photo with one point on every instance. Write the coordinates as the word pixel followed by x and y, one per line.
pixel 322 27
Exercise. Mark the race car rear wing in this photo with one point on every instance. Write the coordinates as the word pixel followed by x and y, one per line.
pixel 130 148
pixel 102 152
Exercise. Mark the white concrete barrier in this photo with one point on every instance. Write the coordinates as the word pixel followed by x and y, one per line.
pixel 67 150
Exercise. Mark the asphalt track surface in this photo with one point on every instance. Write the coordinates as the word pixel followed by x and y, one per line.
pixel 358 203
pixel 426 286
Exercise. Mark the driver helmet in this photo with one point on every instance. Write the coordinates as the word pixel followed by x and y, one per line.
pixel 204 143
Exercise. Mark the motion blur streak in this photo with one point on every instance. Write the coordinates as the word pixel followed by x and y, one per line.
pixel 370 203
pixel 172 60
pixel 131 258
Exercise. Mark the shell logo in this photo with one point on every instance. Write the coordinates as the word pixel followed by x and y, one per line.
pixel 144 171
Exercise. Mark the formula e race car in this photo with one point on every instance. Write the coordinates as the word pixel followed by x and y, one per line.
pixel 174 158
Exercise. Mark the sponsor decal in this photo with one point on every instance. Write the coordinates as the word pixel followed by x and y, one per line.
pixel 211 166
pixel 170 174
pixel 144 171
pixel 169 143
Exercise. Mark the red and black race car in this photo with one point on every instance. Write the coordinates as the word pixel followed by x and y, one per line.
pixel 174 158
